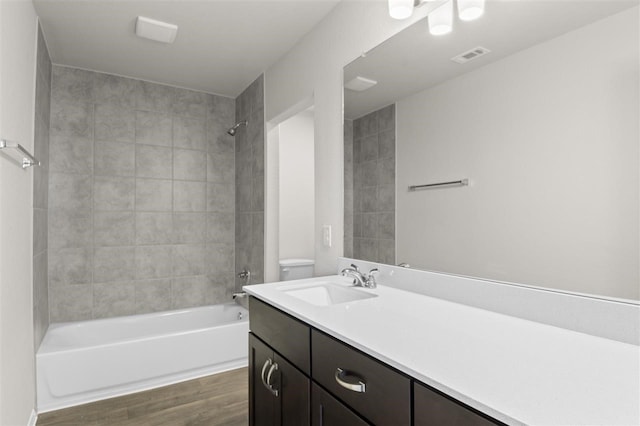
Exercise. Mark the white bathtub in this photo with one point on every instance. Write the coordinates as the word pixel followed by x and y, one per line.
pixel 80 362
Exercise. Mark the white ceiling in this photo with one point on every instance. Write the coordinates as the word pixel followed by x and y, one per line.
pixel 414 60
pixel 221 47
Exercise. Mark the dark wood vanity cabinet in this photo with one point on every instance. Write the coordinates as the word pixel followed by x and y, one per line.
pixel 279 393
pixel 301 376
pixel 378 393
pixel 432 408
pixel 328 411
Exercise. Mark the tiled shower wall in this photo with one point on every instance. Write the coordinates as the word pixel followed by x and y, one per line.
pixel 250 183
pixel 348 188
pixel 374 177
pixel 40 191
pixel 141 197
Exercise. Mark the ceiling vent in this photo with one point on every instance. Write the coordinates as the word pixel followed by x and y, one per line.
pixel 359 84
pixel 156 30
pixel 470 55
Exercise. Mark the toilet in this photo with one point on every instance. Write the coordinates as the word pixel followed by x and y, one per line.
pixel 296 269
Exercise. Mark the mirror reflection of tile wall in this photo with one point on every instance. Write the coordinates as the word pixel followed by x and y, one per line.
pixel 373 182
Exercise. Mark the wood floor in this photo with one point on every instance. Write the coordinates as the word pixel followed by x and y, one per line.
pixel 218 400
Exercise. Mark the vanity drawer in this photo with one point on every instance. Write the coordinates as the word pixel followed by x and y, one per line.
pixel 432 408
pixel 282 332
pixel 378 393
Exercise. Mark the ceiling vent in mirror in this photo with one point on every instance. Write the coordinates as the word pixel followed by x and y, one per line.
pixel 359 84
pixel 156 30
pixel 470 55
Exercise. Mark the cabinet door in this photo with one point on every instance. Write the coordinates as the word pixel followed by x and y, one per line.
pixel 262 406
pixel 293 394
pixel 433 409
pixel 328 411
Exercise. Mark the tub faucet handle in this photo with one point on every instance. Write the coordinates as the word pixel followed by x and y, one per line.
pixel 245 275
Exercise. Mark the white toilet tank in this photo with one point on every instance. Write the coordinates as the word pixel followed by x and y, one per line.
pixel 296 269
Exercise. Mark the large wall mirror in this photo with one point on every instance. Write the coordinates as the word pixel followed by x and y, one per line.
pixel 543 126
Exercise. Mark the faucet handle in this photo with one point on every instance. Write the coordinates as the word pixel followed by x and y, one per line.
pixel 371 278
pixel 355 268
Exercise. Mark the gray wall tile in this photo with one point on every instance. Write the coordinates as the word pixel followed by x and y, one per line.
pixel 189 291
pixel 218 140
pixel 154 97
pixel 72 119
pixel 129 229
pixel 153 162
pixel 70 229
pixel 220 258
pixel 71 266
pixel 153 262
pixel 113 264
pixel 187 228
pixel 113 193
pixel 153 128
pixel 154 228
pixel 189 103
pixel 188 259
pixel 153 195
pixel 71 84
pixel 189 133
pixel 220 168
pixel 372 187
pixel 113 299
pixel 113 229
pixel 220 227
pixel 220 197
pixel 387 144
pixel 70 192
pixel 115 91
pixel 189 165
pixel 114 124
pixel 153 296
pixel 71 154
pixel 72 303
pixel 189 196
pixel 114 159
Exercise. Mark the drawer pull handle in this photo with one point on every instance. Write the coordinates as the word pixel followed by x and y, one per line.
pixel 266 365
pixel 274 367
pixel 355 387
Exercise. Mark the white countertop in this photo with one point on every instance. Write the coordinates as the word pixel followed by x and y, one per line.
pixel 515 370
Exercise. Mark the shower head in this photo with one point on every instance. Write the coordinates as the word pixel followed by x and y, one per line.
pixel 232 131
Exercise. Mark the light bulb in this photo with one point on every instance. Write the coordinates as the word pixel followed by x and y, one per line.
pixel 468 10
pixel 441 19
pixel 400 9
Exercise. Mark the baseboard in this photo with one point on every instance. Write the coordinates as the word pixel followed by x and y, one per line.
pixel 33 418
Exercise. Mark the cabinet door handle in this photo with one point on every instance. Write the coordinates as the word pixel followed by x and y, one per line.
pixel 274 367
pixel 266 365
pixel 355 387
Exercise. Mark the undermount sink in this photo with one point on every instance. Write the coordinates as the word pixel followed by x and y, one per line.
pixel 326 293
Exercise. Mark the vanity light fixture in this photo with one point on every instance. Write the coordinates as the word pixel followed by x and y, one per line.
pixel 400 9
pixel 156 30
pixel 441 19
pixel 468 10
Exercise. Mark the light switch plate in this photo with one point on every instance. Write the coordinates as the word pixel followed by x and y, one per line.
pixel 326 235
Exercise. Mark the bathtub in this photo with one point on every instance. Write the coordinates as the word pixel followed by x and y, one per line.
pixel 80 362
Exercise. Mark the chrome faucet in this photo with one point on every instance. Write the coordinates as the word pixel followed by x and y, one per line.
pixel 361 279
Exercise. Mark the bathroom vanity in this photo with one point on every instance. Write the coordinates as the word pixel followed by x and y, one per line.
pixel 329 382
pixel 321 354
